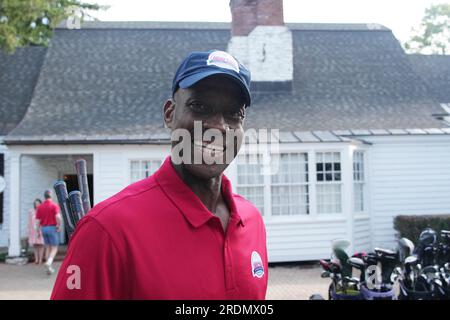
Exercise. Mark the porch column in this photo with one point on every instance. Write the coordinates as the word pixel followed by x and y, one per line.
pixel 14 207
pixel 347 193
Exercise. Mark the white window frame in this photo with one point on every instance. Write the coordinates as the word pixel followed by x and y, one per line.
pixel 307 184
pixel 264 183
pixel 362 182
pixel 130 160
pixel 311 149
pixel 323 182
pixel 367 172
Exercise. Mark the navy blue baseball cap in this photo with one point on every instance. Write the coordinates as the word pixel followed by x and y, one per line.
pixel 199 65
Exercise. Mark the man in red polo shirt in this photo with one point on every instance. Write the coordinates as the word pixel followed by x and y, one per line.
pixel 181 233
pixel 49 220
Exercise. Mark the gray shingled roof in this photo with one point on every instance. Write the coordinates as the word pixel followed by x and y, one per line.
pixel 184 25
pixel 107 83
pixel 435 70
pixel 18 76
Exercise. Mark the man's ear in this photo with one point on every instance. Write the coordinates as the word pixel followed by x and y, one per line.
pixel 168 111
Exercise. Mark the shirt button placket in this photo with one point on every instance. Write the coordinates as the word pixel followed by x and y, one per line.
pixel 228 267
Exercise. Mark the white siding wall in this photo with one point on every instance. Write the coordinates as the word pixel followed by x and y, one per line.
pixel 302 241
pixel 112 166
pixel 110 174
pixel 361 234
pixel 409 175
pixel 4 228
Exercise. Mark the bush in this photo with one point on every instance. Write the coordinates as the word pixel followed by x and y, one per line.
pixel 411 226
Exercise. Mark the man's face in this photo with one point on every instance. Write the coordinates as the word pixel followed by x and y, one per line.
pixel 218 103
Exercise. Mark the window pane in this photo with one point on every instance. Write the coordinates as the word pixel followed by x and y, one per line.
pixel 135 165
pixel 358 166
pixel 319 157
pixel 292 169
pixel 336 156
pixel 358 177
pixel 255 195
pixel 330 167
pixel 358 197
pixel 251 180
pixel 292 200
pixel 329 198
pixel 289 190
pixel 135 176
pixel 140 169
pixel 249 169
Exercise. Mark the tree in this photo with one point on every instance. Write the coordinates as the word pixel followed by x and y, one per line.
pixel 433 34
pixel 31 22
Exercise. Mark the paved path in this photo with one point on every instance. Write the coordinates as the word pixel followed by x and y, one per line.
pixel 285 282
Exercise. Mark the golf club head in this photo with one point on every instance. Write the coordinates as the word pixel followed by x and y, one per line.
pixel 356 263
pixel 406 248
pixel 430 270
pixel 396 275
pixel 385 253
pixel 398 271
pixel 351 280
pixel 410 263
pixel 412 260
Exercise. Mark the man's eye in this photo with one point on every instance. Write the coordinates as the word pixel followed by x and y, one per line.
pixel 198 107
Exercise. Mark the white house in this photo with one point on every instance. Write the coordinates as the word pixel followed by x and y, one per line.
pixel 362 129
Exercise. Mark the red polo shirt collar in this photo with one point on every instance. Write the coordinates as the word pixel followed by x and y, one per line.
pixel 187 201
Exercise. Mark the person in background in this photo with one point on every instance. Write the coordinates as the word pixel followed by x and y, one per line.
pixel 49 219
pixel 35 238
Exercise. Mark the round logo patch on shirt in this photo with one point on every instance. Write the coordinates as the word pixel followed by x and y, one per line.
pixel 257 265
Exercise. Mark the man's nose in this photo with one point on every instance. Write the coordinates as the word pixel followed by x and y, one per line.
pixel 216 121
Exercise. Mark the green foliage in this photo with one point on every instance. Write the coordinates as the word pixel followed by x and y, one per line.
pixel 411 226
pixel 433 34
pixel 31 22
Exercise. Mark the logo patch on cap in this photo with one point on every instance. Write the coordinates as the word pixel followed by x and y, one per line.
pixel 223 59
pixel 257 265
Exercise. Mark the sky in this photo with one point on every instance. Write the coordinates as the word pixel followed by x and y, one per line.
pixel 399 15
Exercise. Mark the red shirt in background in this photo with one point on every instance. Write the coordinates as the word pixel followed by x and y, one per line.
pixel 156 240
pixel 46 213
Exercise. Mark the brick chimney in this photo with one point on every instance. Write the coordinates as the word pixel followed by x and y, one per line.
pixel 262 42
pixel 247 14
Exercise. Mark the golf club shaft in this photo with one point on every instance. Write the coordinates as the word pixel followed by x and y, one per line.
pixel 81 168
